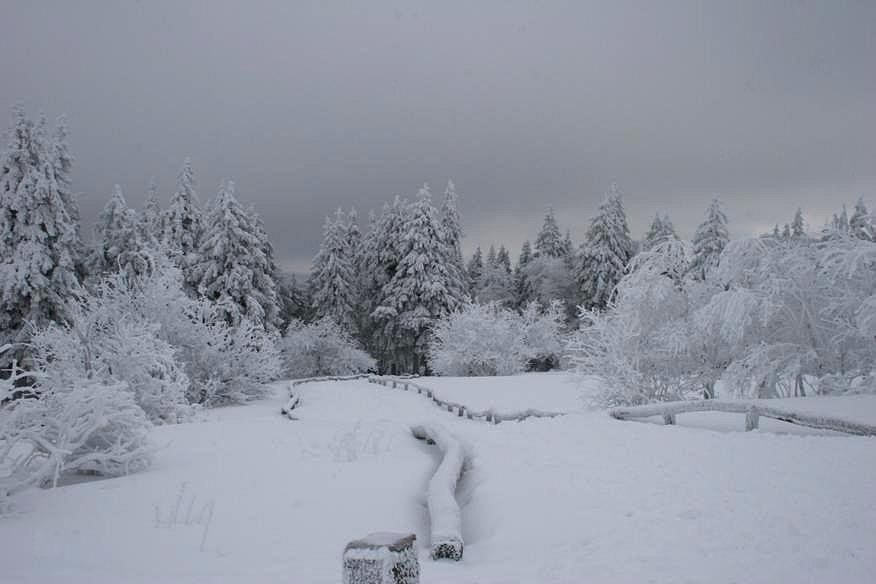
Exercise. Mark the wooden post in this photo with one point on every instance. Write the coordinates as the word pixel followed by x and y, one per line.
pixel 382 558
pixel 752 419
pixel 668 419
pixel 393 384
pixel 461 411
pixel 405 386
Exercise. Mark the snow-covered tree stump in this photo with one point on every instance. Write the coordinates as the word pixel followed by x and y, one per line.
pixel 382 558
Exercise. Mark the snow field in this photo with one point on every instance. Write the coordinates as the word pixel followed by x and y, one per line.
pixel 572 499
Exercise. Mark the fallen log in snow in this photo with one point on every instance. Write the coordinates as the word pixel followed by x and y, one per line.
pixel 752 410
pixel 444 514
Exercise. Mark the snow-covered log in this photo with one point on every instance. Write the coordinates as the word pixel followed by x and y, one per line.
pixel 444 514
pixel 382 558
pixel 753 411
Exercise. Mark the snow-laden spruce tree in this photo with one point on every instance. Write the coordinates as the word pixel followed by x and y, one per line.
pixel 474 272
pixel 451 227
pixel 151 229
pixel 232 268
pixel 496 282
pixel 660 230
pixel 63 163
pixel 39 240
pixel 380 257
pixel 605 252
pixel 522 286
pixel 322 348
pixel 860 224
pixel 423 288
pixel 181 222
pixel 709 241
pixel 332 276
pixel 118 239
pixel 798 225
pixel 549 241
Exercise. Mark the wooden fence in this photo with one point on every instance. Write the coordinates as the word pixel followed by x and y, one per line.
pixel 753 412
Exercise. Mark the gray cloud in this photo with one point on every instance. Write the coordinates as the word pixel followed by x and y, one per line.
pixel 311 105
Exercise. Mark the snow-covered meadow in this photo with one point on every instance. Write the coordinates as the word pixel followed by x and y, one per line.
pixel 246 494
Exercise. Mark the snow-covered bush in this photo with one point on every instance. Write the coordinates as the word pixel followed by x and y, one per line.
pixel 322 348
pixel 486 339
pixel 76 423
pixel 481 339
pixel 774 316
pixel 223 363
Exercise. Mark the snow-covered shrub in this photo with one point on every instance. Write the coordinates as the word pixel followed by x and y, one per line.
pixel 543 336
pixel 76 423
pixel 322 348
pixel 486 339
pixel 223 363
pixel 481 339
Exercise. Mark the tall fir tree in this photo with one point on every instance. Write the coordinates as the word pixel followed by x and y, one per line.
pixel 549 241
pixel 151 217
pixel 503 259
pixel 798 225
pixel 474 271
pixel 605 252
pixel 661 230
pixel 39 239
pixel 860 224
pixel 709 241
pixel 181 221
pixel 422 289
pixel 63 164
pixel 233 267
pixel 451 231
pixel 117 238
pixel 522 287
pixel 332 277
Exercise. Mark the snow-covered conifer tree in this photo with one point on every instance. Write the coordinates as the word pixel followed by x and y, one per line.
pixel 521 279
pixel 798 225
pixel 709 241
pixel 332 276
pixel 151 217
pixel 503 259
pixel 549 241
pixel 660 230
pixel 63 163
pixel 118 238
pixel 605 252
pixel 39 239
pixel 474 271
pixel 233 268
pixel 423 287
pixel 181 221
pixel 860 224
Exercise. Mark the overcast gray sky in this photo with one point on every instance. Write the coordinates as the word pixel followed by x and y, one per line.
pixel 311 105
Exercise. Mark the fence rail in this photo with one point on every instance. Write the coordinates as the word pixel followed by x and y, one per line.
pixel 461 410
pixel 753 412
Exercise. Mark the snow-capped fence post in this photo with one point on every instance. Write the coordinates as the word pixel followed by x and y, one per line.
pixel 382 558
pixel 668 419
pixel 444 513
pixel 752 419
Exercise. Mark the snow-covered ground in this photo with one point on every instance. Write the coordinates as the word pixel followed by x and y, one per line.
pixel 250 496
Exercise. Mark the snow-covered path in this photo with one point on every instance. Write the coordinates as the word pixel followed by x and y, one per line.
pixel 566 500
